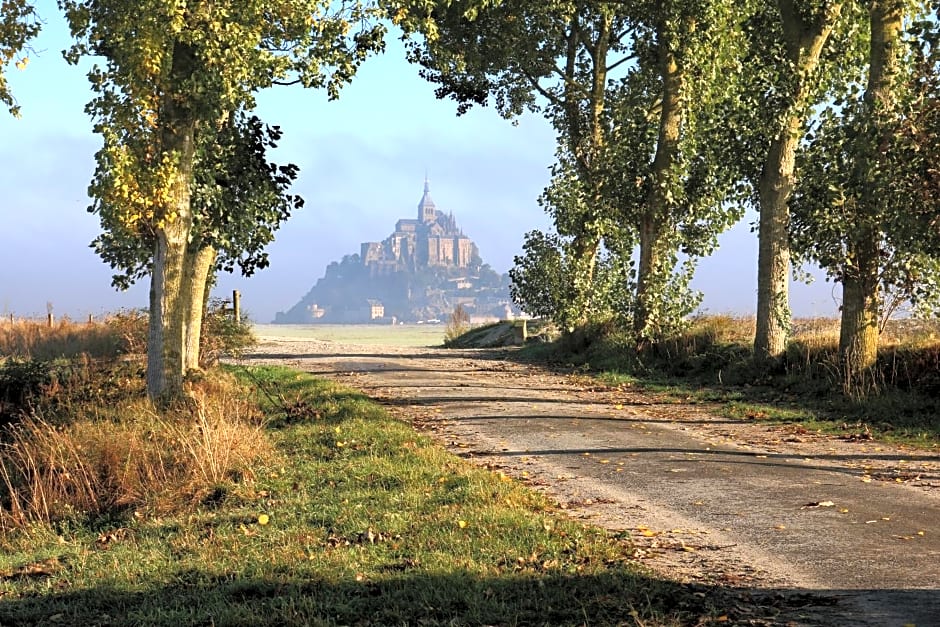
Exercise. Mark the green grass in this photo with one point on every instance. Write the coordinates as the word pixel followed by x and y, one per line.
pixel 711 363
pixel 364 334
pixel 367 523
pixel 901 417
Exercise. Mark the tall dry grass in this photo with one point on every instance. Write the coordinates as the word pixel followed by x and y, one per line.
pixel 909 355
pixel 95 465
pixel 120 333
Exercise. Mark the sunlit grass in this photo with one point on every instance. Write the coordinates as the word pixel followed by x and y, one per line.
pixel 711 362
pixel 350 517
pixel 31 339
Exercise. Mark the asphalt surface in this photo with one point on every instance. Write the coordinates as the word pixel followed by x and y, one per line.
pixel 854 523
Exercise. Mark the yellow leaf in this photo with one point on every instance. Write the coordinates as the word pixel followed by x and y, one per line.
pixel 22 63
pixel 263 519
pixel 462 524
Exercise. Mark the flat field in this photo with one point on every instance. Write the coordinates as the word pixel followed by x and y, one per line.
pixel 365 334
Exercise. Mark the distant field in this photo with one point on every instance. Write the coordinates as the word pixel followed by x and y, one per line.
pixel 370 334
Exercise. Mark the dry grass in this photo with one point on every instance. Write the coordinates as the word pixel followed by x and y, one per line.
pixel 457 324
pixel 121 333
pixel 909 356
pixel 94 465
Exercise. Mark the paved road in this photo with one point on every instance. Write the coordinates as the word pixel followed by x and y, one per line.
pixel 708 499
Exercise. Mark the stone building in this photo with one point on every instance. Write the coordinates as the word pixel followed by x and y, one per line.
pixel 431 240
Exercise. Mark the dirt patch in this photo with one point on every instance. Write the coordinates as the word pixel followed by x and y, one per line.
pixel 828 531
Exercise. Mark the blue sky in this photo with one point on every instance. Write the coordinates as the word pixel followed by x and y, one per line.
pixel 362 163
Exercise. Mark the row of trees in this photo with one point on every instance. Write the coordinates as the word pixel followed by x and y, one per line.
pixel 674 116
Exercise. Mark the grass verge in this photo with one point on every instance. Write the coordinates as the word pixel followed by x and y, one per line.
pixel 711 363
pixel 351 518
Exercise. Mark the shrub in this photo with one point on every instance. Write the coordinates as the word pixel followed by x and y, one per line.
pixel 457 324
pixel 222 335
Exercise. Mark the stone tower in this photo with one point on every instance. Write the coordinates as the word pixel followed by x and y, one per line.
pixel 427 211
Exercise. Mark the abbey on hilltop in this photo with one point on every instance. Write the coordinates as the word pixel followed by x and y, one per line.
pixel 420 272
pixel 432 240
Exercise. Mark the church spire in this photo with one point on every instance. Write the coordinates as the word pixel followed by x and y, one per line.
pixel 427 211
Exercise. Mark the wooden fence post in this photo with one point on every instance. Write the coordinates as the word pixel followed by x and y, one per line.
pixel 50 319
pixel 237 306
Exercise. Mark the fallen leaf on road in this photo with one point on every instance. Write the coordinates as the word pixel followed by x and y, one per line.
pixel 818 504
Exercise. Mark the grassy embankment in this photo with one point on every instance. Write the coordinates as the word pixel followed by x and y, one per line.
pixel 711 363
pixel 273 498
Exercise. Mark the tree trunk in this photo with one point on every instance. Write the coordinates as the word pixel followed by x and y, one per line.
pixel 773 256
pixel 805 42
pixel 195 292
pixel 586 138
pixel 166 351
pixel 659 203
pixel 647 267
pixel 859 330
pixel 858 336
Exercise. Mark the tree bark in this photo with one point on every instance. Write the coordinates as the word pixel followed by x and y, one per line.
pixel 166 351
pixel 659 203
pixel 861 307
pixel 859 328
pixel 805 42
pixel 195 291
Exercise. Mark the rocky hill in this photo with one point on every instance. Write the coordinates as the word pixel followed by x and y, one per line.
pixel 420 272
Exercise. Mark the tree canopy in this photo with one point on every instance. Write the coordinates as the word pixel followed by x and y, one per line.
pixel 172 76
pixel 18 24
